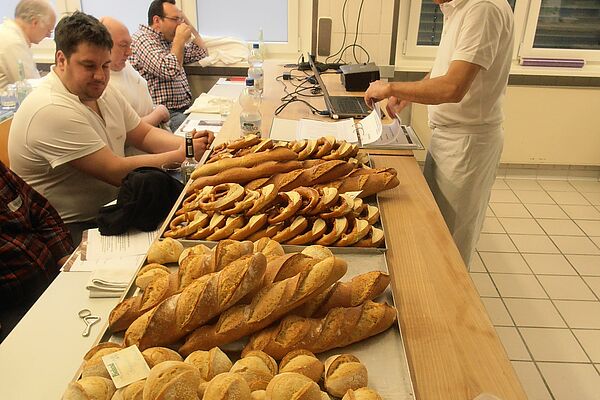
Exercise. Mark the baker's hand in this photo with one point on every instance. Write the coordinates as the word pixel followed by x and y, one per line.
pixel 183 32
pixel 395 105
pixel 377 91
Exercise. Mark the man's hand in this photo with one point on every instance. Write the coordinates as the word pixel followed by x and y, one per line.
pixel 183 32
pixel 377 91
pixel 162 112
pixel 395 105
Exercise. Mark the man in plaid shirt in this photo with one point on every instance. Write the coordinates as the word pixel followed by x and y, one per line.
pixel 159 51
pixel 34 244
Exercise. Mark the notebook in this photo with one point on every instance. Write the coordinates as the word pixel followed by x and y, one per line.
pixel 340 106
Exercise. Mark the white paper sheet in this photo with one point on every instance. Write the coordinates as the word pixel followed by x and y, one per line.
pixel 107 264
pixel 342 130
pixel 127 244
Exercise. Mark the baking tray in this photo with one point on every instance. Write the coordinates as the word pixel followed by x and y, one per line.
pixel 384 355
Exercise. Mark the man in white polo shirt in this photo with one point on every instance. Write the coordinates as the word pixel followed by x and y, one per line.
pixel 464 91
pixel 67 139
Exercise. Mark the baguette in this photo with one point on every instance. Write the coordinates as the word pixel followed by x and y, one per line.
pixel 353 293
pixel 249 160
pixel 244 174
pixel 270 304
pixel 204 299
pixel 367 183
pixel 339 328
pixel 192 267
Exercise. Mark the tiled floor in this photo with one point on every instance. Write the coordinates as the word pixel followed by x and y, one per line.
pixel 537 270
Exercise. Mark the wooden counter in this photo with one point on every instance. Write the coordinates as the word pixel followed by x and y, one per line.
pixel 452 347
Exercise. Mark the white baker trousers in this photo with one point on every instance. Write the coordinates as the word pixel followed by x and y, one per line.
pixel 460 170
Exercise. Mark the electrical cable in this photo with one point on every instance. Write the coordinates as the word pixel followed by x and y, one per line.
pixel 356 33
pixel 344 38
pixel 354 45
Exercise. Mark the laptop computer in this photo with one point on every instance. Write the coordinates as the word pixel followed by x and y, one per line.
pixel 340 106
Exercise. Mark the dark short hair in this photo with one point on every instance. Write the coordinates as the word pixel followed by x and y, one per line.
pixel 80 28
pixel 156 8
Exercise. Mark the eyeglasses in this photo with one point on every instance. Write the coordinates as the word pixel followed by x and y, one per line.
pixel 176 19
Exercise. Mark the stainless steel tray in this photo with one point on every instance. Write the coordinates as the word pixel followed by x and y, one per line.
pixel 384 355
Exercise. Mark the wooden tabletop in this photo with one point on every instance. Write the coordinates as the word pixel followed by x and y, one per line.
pixel 452 347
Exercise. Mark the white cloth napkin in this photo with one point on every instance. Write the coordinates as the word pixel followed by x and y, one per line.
pixel 224 50
pixel 110 282
pixel 205 103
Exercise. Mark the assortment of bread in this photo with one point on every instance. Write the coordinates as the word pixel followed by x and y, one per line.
pixel 211 376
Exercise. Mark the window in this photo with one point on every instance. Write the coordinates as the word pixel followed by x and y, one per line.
pixel 132 16
pixel 243 21
pixel 277 18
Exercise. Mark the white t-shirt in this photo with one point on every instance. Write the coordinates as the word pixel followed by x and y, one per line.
pixel 134 88
pixel 479 32
pixel 51 128
pixel 14 47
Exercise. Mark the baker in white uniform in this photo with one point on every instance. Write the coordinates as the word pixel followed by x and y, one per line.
pixel 464 91
pixel 127 80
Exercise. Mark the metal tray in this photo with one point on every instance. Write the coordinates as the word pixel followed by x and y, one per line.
pixel 384 355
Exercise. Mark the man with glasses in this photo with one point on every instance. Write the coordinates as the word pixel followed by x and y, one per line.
pixel 159 51
pixel 34 21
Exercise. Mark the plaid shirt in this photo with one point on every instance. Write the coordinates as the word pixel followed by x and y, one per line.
pixel 32 238
pixel 151 56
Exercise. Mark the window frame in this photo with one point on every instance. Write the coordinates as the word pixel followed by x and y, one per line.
pixel 530 28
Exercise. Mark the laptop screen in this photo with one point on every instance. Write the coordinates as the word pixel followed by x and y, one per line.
pixel 315 71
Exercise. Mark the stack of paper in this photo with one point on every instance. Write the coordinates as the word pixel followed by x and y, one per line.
pixel 113 260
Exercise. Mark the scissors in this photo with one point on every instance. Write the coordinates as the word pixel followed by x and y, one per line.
pixel 89 319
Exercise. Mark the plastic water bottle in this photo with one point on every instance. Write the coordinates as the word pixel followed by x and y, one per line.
pixel 23 87
pixel 250 117
pixel 8 98
pixel 255 60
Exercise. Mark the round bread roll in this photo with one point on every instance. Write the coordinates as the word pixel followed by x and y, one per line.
pixel 343 372
pixel 269 247
pixel 257 368
pixel 133 391
pixel 156 355
pixel 92 387
pixel 259 395
pixel 172 380
pixel 362 394
pixel 100 346
pixel 148 273
pixel 325 396
pixel 198 249
pixel 94 366
pixel 303 362
pixel 291 385
pixel 227 386
pixel 210 363
pixel 165 251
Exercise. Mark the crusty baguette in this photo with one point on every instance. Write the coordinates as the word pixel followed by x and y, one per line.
pixel 270 304
pixel 249 160
pixel 201 301
pixel 341 327
pixel 368 183
pixel 245 174
pixel 353 293
pixel 193 267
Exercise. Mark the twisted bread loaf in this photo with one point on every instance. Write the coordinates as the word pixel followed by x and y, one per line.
pixel 339 328
pixel 204 299
pixel 270 304
pixel 192 267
